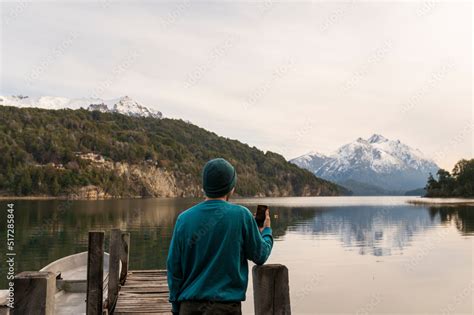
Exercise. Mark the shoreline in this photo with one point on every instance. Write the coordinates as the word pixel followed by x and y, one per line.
pixel 442 201
pixel 13 198
pixel 65 197
pixel 31 198
pixel 418 201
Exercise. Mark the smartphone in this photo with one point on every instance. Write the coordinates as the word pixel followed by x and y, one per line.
pixel 260 216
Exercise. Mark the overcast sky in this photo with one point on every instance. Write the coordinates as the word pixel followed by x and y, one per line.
pixel 285 77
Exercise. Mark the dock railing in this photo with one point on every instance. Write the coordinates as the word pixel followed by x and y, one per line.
pixel 95 273
pixel 118 270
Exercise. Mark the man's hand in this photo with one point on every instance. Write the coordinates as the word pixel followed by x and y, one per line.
pixel 267 222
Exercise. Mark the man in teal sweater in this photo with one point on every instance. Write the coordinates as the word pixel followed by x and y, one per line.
pixel 212 241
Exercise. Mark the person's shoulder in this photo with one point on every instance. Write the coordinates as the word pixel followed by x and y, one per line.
pixel 241 209
pixel 186 213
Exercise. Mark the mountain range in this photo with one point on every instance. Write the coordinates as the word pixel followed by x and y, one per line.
pixel 372 166
pixel 91 149
pixel 123 105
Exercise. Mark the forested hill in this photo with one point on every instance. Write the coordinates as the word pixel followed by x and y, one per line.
pixel 90 154
pixel 458 183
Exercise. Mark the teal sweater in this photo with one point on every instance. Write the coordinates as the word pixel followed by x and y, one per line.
pixel 211 244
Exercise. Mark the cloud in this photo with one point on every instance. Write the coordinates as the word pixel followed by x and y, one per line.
pixel 234 52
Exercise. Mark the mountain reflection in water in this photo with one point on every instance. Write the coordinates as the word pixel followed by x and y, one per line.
pixel 378 231
pixel 48 230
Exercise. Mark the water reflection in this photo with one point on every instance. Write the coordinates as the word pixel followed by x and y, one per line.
pixel 48 230
pixel 367 230
pixel 377 231
pixel 462 217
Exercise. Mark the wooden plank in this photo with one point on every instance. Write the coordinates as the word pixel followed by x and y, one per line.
pixel 142 309
pixel 152 300
pixel 148 270
pixel 124 256
pixel 148 284
pixel 137 300
pixel 144 292
pixel 114 267
pixel 134 295
pixel 142 313
pixel 95 273
pixel 143 304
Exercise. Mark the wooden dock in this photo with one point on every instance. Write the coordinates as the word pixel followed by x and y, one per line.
pixel 144 292
pixel 121 291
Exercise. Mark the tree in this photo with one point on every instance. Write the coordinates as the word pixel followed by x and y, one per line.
pixel 55 187
pixel 446 183
pixel 458 184
pixel 463 172
pixel 44 139
pixel 24 185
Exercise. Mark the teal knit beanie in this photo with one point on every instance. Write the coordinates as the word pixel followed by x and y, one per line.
pixel 218 178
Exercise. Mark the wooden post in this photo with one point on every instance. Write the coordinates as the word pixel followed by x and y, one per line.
pixel 124 256
pixel 95 273
pixel 34 293
pixel 271 290
pixel 114 267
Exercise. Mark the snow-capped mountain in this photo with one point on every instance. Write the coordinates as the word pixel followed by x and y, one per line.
pixel 123 105
pixel 311 161
pixel 376 163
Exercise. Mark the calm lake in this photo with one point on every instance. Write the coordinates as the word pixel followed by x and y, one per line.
pixel 359 255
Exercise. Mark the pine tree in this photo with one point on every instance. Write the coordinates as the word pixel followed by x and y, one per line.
pixel 55 187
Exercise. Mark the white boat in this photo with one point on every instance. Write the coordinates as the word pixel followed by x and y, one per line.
pixel 71 282
pixel 4 309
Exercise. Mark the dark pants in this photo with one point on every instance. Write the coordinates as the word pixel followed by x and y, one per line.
pixel 210 308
